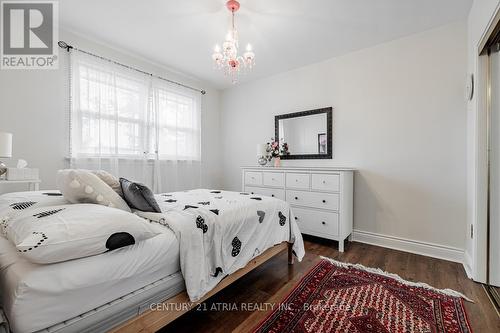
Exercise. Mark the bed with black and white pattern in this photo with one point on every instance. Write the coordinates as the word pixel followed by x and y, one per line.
pixel 219 232
pixel 90 294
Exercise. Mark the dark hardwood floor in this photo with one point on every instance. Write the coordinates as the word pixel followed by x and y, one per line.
pixel 270 283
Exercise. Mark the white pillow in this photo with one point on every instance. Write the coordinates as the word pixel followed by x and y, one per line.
pixel 17 201
pixel 14 203
pixel 82 186
pixel 59 233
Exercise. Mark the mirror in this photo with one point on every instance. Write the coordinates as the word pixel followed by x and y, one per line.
pixel 307 133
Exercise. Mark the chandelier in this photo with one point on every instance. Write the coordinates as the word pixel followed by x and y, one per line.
pixel 227 58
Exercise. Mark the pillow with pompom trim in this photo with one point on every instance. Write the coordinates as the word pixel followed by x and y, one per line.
pixel 109 179
pixel 82 186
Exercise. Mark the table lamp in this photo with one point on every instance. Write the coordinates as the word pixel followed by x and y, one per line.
pixel 262 153
pixel 5 149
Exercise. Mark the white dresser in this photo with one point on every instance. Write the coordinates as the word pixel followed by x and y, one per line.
pixel 321 198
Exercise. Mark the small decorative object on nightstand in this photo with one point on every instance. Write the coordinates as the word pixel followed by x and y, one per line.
pixel 5 149
pixel 21 174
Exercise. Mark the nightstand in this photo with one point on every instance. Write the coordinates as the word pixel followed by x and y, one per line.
pixel 33 184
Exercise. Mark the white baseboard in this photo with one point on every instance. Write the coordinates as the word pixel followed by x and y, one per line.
pixel 412 246
pixel 468 264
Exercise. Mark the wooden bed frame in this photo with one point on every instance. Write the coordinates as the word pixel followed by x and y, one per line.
pixel 151 321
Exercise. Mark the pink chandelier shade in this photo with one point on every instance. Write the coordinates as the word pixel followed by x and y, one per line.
pixel 226 58
pixel 233 5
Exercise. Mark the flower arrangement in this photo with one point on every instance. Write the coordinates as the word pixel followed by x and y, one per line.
pixel 276 149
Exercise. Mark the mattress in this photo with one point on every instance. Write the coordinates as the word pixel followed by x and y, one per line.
pixel 36 296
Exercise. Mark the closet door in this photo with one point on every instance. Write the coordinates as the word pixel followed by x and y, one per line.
pixel 494 171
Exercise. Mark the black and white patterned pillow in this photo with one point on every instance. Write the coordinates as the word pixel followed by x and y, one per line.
pixel 139 196
pixel 59 233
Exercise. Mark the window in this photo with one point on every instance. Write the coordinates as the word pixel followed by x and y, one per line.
pixel 178 124
pixel 120 113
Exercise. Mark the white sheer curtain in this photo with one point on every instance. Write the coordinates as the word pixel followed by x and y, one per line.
pixel 133 125
pixel 177 113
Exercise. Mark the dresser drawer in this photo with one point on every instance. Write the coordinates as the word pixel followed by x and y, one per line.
pixel 297 180
pixel 313 199
pixel 316 222
pixel 253 178
pixel 325 182
pixel 268 192
pixel 276 179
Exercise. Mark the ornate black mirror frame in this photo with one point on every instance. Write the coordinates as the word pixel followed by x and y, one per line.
pixel 328 112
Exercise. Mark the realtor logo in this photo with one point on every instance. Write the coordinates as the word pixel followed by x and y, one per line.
pixel 29 35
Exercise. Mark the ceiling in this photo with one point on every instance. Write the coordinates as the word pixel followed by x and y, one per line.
pixel 285 34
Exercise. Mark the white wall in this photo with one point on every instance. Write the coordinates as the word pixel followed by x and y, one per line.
pixel 34 107
pixel 479 19
pixel 399 118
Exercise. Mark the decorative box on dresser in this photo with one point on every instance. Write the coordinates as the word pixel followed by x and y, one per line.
pixel 321 198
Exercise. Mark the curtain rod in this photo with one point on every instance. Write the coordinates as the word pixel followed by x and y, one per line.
pixel 64 45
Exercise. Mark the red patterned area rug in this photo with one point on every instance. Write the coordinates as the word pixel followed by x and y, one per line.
pixel 339 297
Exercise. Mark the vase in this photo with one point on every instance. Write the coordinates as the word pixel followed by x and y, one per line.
pixel 277 162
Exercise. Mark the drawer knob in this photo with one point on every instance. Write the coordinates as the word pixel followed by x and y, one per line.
pixel 296 218
pixel 272 195
pixel 296 198
pixel 324 201
pixel 296 180
pixel 273 179
pixel 251 193
pixel 324 181
pixel 323 223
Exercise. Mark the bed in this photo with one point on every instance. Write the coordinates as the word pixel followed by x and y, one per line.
pixel 115 290
pixel 53 293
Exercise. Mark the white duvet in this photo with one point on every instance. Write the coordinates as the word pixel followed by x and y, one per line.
pixel 219 232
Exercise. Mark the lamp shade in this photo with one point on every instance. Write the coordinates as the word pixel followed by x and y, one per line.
pixel 5 144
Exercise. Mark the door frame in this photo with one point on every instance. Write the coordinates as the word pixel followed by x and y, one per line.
pixel 481 197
